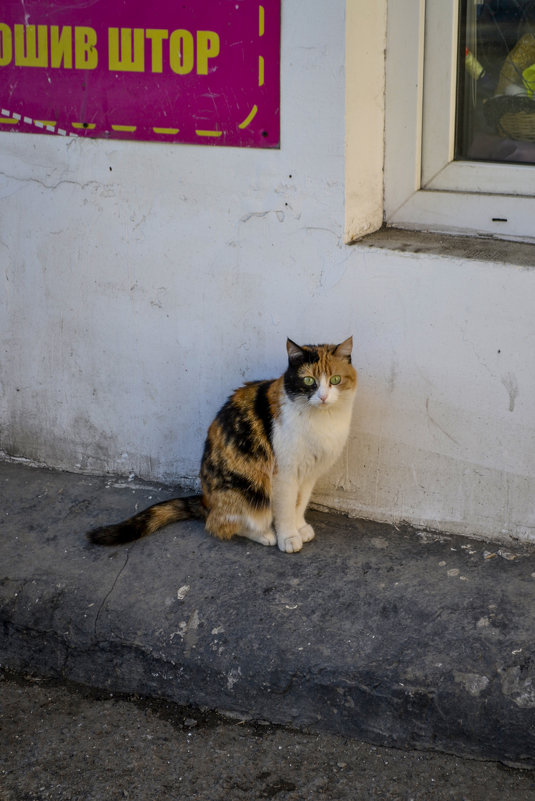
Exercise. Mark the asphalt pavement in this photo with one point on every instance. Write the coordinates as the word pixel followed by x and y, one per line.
pixel 65 743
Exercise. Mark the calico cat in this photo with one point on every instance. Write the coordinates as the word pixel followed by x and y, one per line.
pixel 263 454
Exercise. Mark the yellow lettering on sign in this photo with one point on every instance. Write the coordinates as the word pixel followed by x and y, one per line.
pixel 61 46
pixel 207 47
pixel 130 57
pixel 31 46
pixel 85 41
pixel 68 47
pixel 181 55
pixel 157 35
pixel 6 45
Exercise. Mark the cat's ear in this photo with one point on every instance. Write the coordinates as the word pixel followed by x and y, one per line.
pixel 295 353
pixel 343 350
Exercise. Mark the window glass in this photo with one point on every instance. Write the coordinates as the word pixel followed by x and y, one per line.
pixel 496 81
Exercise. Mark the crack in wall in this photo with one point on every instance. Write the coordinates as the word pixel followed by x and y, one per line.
pixel 33 180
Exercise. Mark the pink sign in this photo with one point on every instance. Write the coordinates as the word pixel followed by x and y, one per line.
pixel 197 71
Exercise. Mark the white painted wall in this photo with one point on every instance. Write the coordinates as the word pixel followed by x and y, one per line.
pixel 143 282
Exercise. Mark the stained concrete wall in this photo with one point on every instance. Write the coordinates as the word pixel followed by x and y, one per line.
pixel 142 282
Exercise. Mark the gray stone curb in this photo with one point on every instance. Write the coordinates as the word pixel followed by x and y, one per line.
pixel 401 638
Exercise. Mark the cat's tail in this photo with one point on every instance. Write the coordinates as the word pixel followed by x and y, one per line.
pixel 149 520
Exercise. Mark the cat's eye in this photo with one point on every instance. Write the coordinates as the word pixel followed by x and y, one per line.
pixel 335 379
pixel 308 381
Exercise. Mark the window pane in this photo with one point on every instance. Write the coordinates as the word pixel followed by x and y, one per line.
pixel 496 81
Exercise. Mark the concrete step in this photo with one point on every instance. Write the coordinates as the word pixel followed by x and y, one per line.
pixel 398 637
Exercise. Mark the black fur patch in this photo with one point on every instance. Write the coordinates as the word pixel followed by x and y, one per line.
pixel 293 383
pixel 309 355
pixel 220 479
pixel 262 409
pixel 255 496
pixel 236 427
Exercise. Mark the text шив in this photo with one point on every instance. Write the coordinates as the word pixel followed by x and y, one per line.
pixel 128 49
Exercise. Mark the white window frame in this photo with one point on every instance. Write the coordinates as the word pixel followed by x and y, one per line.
pixel 425 188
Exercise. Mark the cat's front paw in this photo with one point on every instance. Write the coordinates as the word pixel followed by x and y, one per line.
pixel 263 537
pixel 268 538
pixel 307 532
pixel 290 543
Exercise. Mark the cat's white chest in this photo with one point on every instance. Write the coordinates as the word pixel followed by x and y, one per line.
pixel 307 441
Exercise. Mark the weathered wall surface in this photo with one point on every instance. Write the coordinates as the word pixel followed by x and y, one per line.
pixel 142 282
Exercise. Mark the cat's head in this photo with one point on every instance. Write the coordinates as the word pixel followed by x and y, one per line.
pixel 320 375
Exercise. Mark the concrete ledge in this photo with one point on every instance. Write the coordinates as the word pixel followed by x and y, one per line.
pixel 485 249
pixel 397 637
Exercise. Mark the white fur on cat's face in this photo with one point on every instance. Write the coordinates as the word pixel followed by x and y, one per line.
pixel 326 394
